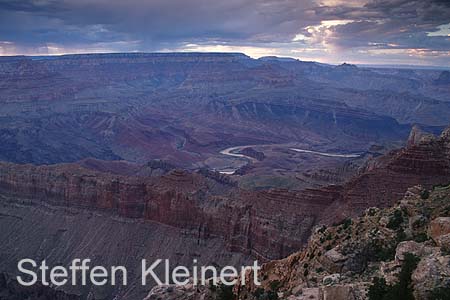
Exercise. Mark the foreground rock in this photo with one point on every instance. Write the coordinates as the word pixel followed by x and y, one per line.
pixel 187 292
pixel 379 251
pixel 440 232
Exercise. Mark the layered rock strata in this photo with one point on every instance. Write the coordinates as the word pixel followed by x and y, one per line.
pixel 267 224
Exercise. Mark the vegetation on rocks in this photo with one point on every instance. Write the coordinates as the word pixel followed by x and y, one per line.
pixel 399 291
pixel 386 254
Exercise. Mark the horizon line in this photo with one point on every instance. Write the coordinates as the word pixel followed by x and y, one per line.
pixel 369 65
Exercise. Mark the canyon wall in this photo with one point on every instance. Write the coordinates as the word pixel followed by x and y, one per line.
pixel 266 224
pixel 60 234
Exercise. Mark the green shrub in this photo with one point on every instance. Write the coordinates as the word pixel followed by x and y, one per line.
pixel 402 290
pixel 419 223
pixel 347 223
pixel 320 270
pixel 225 292
pixel 382 252
pixel 322 229
pixel 275 285
pixel 401 235
pixel 258 293
pixel 261 294
pixel 378 289
pixel 372 212
pixel 441 293
pixel 425 194
pixel 421 237
pixel 395 220
pixel 271 295
pixel 212 286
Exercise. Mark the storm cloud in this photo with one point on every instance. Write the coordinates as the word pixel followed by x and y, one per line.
pixel 361 31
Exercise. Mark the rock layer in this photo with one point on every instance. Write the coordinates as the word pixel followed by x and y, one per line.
pixel 267 224
pixel 343 260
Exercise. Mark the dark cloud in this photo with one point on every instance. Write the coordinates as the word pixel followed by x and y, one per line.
pixel 404 23
pixel 156 21
pixel 35 26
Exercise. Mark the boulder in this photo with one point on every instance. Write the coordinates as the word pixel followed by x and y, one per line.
pixel 439 231
pixel 333 261
pixel 443 241
pixel 331 279
pixel 432 272
pixel 334 256
pixel 389 271
pixel 338 292
pixel 307 294
pixel 179 292
pixel 408 247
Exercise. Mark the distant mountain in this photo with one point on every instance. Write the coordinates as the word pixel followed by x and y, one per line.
pixel 404 66
pixel 444 78
pixel 182 107
pixel 276 58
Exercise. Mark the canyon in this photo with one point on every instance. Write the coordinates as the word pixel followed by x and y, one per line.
pixel 187 107
pixel 214 156
pixel 61 211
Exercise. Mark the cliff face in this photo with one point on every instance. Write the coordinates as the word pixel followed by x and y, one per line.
pixel 210 205
pixel 12 290
pixel 425 162
pixel 59 234
pixel 400 251
pixel 267 224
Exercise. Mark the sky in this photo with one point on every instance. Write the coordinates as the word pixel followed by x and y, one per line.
pixel 414 32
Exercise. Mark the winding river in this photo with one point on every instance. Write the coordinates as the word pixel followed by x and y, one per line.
pixel 327 154
pixel 231 152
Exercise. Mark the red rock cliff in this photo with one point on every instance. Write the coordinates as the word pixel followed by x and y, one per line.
pixel 268 224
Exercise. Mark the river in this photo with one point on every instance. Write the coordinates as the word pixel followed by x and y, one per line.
pixel 229 152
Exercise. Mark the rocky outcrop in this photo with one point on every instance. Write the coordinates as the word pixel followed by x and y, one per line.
pixel 345 260
pixel 249 151
pixel 439 231
pixel 416 136
pixel 426 162
pixel 172 292
pixel 432 273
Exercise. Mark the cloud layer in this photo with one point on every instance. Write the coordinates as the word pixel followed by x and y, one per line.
pixel 360 31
